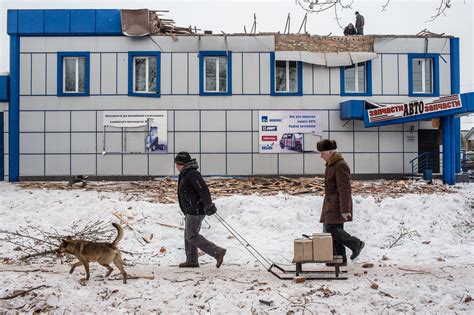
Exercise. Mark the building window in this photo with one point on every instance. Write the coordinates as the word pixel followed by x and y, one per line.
pixel 73 74
pixel 286 77
pixel 215 68
pixel 423 75
pixel 356 79
pixel 144 74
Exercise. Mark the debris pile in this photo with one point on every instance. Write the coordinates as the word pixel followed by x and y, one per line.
pixel 164 190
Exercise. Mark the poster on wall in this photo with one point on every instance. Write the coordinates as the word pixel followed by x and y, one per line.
pixel 154 124
pixel 289 131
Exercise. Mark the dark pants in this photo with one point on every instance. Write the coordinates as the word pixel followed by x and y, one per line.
pixel 193 240
pixel 360 31
pixel 341 239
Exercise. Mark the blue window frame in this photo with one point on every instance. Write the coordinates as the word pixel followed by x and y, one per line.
pixel 73 73
pixel 356 80
pixel 215 73
pixel 286 77
pixel 144 73
pixel 423 75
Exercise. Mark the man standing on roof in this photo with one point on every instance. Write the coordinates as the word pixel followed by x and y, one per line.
pixel 195 202
pixel 360 22
pixel 337 204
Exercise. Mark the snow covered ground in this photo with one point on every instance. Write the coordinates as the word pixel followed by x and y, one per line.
pixel 429 271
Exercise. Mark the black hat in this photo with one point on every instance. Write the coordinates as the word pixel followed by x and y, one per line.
pixel 357 12
pixel 182 158
pixel 326 145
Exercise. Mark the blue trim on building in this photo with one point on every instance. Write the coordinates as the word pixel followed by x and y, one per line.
pixel 273 91
pixel 449 156
pixel 455 89
pixel 14 111
pixel 2 150
pixel 368 82
pixel 4 88
pixel 215 53
pixel 435 76
pixel 84 54
pixel 157 55
pixel 78 22
pixel 353 109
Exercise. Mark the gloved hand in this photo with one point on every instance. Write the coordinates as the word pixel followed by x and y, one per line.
pixel 210 209
pixel 346 216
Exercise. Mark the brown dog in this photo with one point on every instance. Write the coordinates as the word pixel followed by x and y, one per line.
pixel 103 253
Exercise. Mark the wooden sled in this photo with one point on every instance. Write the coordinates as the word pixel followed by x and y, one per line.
pixel 285 274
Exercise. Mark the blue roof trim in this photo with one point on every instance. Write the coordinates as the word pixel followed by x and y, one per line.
pixel 56 22
pixel 88 22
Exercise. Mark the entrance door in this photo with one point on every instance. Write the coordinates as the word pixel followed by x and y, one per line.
pixel 428 142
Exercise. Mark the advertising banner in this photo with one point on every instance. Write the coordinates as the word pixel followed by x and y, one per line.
pixel 289 131
pixel 384 112
pixel 155 139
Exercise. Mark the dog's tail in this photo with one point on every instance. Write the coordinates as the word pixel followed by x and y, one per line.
pixel 119 234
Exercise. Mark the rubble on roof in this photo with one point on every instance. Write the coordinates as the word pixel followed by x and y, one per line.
pixel 142 22
pixel 324 44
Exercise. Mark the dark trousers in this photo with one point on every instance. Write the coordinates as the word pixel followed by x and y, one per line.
pixel 341 239
pixel 193 240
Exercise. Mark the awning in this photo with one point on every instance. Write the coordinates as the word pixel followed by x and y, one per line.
pixel 326 59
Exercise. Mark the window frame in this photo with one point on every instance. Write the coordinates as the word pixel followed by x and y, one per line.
pixel 368 81
pixel 299 69
pixel 202 73
pixel 131 73
pixel 61 76
pixel 434 75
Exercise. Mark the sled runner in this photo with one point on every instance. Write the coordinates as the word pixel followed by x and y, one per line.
pixel 286 274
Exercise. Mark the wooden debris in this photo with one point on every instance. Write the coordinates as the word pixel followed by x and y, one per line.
pixel 17 293
pixel 164 190
pixel 367 265
pixel 299 279
pixel 266 302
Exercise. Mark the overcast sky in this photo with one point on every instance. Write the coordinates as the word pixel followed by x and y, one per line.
pixel 401 17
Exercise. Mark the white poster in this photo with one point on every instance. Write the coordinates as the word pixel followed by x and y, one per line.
pixel 289 131
pixel 155 123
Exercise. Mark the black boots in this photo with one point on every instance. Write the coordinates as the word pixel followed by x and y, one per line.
pixel 357 251
pixel 189 264
pixel 220 258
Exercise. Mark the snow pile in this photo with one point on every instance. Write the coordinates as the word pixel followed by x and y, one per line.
pixel 427 242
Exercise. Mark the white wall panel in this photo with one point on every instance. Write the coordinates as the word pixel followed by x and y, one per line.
pixel 237 84
pixel 57 165
pixel 239 164
pixel 25 74
pixel 251 73
pixel 52 74
pixel 108 76
pixel 321 80
pixel 38 72
pixel 165 73
pixel 390 74
pixel 213 164
pixel 180 73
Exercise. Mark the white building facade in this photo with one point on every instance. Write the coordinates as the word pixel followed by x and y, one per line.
pixel 66 75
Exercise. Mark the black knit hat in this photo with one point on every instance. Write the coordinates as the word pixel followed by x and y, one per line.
pixel 326 145
pixel 182 158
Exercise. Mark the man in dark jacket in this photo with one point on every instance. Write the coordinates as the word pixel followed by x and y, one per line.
pixel 337 204
pixel 350 30
pixel 360 22
pixel 195 202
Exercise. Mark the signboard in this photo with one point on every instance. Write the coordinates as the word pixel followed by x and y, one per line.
pixel 427 106
pixel 289 131
pixel 154 123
